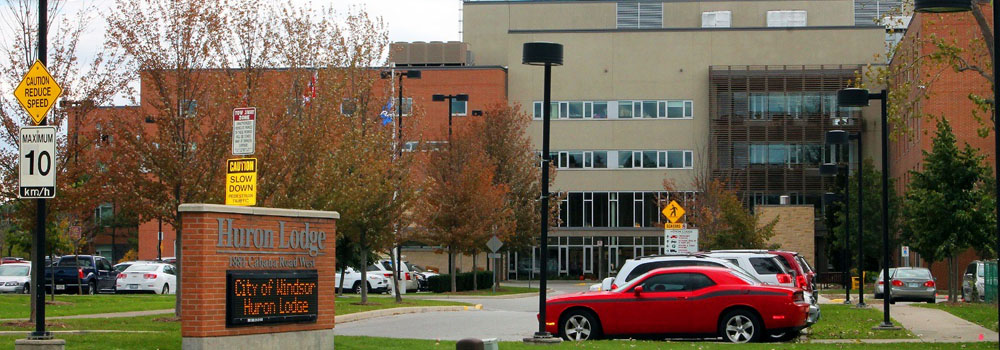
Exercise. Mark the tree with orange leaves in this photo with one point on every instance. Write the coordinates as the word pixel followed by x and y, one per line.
pixel 461 205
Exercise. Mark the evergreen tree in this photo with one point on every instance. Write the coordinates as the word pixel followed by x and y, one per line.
pixel 871 241
pixel 949 206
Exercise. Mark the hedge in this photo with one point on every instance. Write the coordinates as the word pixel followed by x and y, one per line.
pixel 463 282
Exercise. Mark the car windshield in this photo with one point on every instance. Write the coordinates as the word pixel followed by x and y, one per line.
pixel 142 268
pixel 766 266
pixel 13 270
pixel 805 264
pixel 912 273
pixel 73 262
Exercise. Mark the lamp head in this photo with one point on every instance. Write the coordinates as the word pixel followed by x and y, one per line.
pixel 852 97
pixel 461 97
pixel 437 97
pixel 830 197
pixel 542 53
pixel 942 6
pixel 413 74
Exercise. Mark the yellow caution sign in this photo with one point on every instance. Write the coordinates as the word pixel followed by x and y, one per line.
pixel 241 182
pixel 673 211
pixel 673 226
pixel 37 92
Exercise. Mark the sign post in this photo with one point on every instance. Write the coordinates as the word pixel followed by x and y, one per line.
pixel 676 238
pixel 494 244
pixel 244 131
pixel 241 182
pixel 906 255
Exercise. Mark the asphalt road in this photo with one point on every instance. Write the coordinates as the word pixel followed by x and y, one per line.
pixel 505 319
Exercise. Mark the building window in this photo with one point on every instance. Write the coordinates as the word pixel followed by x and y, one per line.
pixel 716 19
pixel 347 106
pixel 786 18
pixel 458 108
pixel 624 109
pixel 635 15
pixel 407 106
pixel 188 108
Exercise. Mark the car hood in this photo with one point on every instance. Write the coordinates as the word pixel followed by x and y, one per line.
pixel 15 278
pixel 581 296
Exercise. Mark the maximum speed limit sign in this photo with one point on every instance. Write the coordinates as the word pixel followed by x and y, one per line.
pixel 37 164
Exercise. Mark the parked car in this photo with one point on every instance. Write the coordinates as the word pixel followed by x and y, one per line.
pixel 973 282
pixel 10 260
pixel 771 269
pixel 802 273
pixel 696 300
pixel 122 266
pixel 385 267
pixel 89 273
pixel 633 268
pixel 377 283
pixel 422 275
pixel 908 284
pixel 15 277
pixel 157 278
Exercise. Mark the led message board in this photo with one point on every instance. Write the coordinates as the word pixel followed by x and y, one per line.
pixel 269 297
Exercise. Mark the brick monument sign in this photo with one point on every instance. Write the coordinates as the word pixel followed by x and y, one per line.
pixel 257 276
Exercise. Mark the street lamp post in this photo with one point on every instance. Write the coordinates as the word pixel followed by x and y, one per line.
pixel 841 137
pixel 450 99
pixel 944 6
pixel 854 97
pixel 544 54
pixel 832 169
pixel 410 74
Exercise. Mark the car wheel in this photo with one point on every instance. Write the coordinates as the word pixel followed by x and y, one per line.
pixel 785 336
pixel 27 289
pixel 357 287
pixel 741 326
pixel 92 288
pixel 166 289
pixel 579 325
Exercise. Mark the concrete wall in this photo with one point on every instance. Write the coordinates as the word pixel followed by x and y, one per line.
pixel 795 230
pixel 430 259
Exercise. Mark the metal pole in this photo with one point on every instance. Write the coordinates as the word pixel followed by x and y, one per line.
pixel 847 232
pixel 398 278
pixel 38 266
pixel 996 135
pixel 542 283
pixel 886 290
pixel 861 230
pixel 449 120
pixel 159 239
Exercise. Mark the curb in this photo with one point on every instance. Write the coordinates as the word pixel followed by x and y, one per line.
pixel 358 316
pixel 459 296
pixel 103 315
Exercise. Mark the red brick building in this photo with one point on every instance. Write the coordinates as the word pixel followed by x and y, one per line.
pixel 484 85
pixel 948 96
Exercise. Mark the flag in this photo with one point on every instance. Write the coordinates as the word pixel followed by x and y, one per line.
pixel 310 92
pixel 386 113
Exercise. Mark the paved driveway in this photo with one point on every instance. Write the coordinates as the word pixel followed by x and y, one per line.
pixel 506 319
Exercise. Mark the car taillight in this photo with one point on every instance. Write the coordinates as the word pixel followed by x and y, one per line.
pixel 121 276
pixel 798 297
pixel 784 278
pixel 880 283
pixel 79 272
pixel 149 276
pixel 800 281
pixel 929 284
pixel 897 283
pixel 388 275
pixel 407 276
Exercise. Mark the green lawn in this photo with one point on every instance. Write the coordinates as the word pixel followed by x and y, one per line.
pixel 166 335
pixel 367 343
pixel 848 322
pixel 19 306
pixel 979 313
pixel 347 305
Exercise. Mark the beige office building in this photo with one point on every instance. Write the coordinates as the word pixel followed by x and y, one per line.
pixel 651 90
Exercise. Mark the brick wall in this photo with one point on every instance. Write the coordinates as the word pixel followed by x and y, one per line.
pixel 795 230
pixel 203 269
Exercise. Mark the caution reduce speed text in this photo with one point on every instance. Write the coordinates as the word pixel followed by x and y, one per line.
pixel 38 91
pixel 241 182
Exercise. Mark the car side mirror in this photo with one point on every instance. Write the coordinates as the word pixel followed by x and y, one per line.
pixel 637 291
pixel 969 274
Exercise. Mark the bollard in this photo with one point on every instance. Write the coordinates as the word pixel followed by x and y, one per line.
pixel 469 344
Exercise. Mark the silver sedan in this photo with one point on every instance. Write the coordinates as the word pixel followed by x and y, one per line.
pixel 908 283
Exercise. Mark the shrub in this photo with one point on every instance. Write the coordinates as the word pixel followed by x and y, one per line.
pixel 463 281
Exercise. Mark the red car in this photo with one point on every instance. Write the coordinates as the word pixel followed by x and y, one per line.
pixel 703 301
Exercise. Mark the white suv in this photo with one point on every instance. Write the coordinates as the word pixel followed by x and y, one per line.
pixel 352 281
pixel 769 268
pixel 384 266
pixel 633 268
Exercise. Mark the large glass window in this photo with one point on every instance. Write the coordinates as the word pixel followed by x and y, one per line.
pixel 624 109
pixel 600 110
pixel 575 209
pixel 776 154
pixel 758 105
pixel 675 159
pixel 600 159
pixel 776 104
pixel 575 110
pixel 601 209
pixel 649 159
pixel 649 109
pixel 625 159
pixel 675 109
pixel 458 108
pixel 576 160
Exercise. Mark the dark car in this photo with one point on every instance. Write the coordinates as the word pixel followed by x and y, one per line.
pixel 85 273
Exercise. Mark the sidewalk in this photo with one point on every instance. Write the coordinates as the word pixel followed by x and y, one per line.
pixel 107 315
pixel 930 325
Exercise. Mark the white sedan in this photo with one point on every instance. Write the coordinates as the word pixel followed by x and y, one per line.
pixel 148 277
